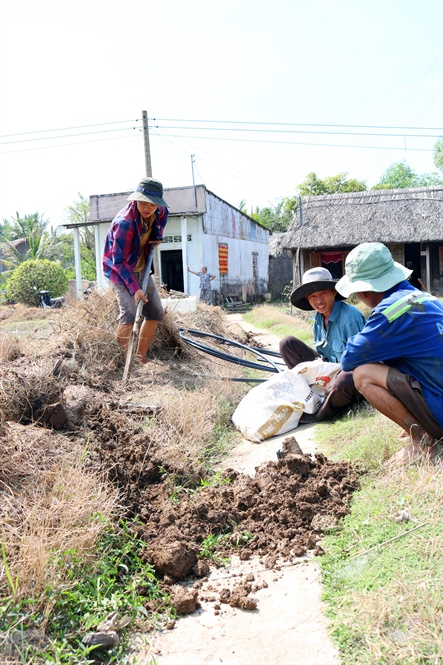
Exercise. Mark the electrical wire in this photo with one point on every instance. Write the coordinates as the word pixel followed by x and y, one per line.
pixel 266 364
pixel 292 131
pixel 319 145
pixel 66 129
pixel 294 124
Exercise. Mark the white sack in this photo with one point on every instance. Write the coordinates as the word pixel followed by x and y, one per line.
pixel 275 406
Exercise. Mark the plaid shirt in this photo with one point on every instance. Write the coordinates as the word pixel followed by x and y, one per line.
pixel 122 245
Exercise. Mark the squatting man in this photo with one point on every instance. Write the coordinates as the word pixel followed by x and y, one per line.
pixel 397 358
pixel 334 322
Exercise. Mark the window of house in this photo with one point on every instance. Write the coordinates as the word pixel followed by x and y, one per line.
pixel 255 266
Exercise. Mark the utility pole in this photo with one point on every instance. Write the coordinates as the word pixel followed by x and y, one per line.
pixel 156 276
pixel 193 181
pixel 146 141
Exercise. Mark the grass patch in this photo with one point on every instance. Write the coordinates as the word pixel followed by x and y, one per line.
pixel 364 435
pixel 383 586
pixel 115 579
pixel 382 572
pixel 278 322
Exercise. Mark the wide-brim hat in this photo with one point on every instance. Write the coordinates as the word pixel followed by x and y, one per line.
pixel 149 190
pixel 315 279
pixel 370 267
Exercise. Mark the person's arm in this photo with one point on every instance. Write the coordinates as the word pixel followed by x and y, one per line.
pixel 117 255
pixel 213 277
pixel 376 342
pixel 189 270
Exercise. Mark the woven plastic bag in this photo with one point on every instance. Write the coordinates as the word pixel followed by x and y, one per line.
pixel 276 406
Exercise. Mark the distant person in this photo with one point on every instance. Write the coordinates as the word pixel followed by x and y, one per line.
pixel 334 322
pixel 205 284
pixel 136 228
pixel 397 359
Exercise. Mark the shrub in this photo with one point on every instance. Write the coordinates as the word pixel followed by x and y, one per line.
pixel 33 276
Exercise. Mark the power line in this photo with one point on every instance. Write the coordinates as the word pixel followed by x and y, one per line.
pixel 295 124
pixel 291 131
pixel 66 129
pixel 246 177
pixel 70 145
pixel 320 145
pixel 67 136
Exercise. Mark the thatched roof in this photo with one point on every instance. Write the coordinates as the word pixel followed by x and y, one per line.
pixel 275 247
pixel 384 215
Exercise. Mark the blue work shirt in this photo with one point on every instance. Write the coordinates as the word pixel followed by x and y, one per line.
pixel 345 320
pixel 412 342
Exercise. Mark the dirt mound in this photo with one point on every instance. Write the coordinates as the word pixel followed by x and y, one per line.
pixel 280 513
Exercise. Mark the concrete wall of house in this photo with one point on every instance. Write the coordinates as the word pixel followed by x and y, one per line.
pixel 202 250
pixel 248 253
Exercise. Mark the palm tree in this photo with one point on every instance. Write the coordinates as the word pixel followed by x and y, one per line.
pixel 31 228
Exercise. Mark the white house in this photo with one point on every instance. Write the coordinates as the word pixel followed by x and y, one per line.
pixel 202 230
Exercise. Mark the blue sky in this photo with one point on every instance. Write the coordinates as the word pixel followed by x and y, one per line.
pixel 334 70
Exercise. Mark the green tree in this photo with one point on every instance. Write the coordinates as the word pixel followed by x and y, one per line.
pixel 400 175
pixel 79 213
pixel 336 184
pixel 242 206
pixel 278 217
pixel 42 244
pixel 438 154
pixel 33 276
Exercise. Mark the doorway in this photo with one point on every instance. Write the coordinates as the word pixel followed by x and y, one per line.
pixel 413 262
pixel 172 269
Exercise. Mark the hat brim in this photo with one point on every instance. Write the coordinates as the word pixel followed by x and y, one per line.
pixel 378 285
pixel 298 296
pixel 156 200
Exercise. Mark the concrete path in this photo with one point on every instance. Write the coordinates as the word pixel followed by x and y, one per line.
pixel 288 627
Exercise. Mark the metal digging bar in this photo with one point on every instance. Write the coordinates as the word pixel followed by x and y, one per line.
pixel 132 346
pixel 266 364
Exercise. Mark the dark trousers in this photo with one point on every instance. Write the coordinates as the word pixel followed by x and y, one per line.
pixel 342 393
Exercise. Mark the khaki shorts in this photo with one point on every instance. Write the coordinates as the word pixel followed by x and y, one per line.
pixel 152 310
pixel 408 391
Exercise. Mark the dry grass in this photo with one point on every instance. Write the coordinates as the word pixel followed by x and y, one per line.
pixel 18 313
pixel 185 430
pixel 23 393
pixel 9 347
pixel 49 505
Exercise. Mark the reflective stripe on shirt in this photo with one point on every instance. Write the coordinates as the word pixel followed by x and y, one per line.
pixel 404 304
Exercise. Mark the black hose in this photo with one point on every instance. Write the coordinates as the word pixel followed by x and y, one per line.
pixel 270 366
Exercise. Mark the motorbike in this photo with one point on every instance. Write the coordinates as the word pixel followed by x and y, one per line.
pixel 48 302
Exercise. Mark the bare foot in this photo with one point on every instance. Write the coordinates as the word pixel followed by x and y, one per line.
pixel 413 453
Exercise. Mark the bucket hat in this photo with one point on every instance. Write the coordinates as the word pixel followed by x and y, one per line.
pixel 315 279
pixel 149 190
pixel 370 267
